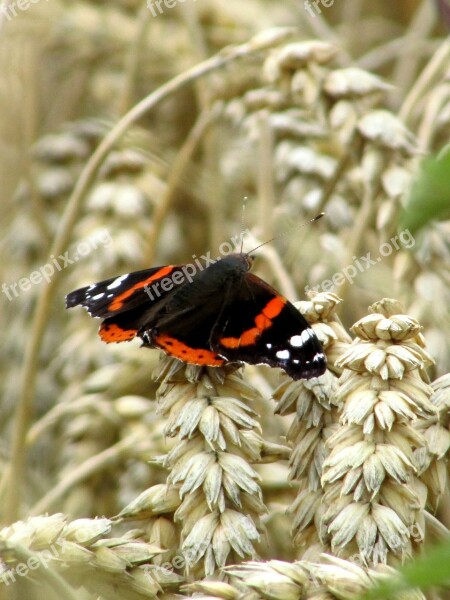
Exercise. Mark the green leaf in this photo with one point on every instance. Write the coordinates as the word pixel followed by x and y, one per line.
pixel 430 195
pixel 431 569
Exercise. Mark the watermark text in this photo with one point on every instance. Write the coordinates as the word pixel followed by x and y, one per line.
pixel 359 265
pixel 56 263
pixel 157 7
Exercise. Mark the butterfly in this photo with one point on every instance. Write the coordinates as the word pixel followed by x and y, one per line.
pixel 206 316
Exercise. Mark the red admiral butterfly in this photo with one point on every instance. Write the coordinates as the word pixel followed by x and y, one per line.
pixel 206 317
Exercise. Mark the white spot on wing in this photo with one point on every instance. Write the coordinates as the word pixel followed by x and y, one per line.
pixel 117 282
pixel 98 296
pixel 283 354
pixel 307 334
pixel 269 346
pixel 299 340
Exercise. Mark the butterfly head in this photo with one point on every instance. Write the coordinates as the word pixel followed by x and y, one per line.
pixel 242 260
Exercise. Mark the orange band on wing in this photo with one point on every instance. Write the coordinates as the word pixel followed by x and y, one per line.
pixel 262 321
pixel 110 332
pixel 195 356
pixel 118 302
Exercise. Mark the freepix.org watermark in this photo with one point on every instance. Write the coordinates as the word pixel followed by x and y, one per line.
pixel 35 561
pixel 10 10
pixel 157 7
pixel 312 7
pixel 56 263
pixel 187 272
pixel 359 265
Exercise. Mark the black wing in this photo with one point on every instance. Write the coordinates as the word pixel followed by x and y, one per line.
pixel 258 325
pixel 123 293
pixel 128 303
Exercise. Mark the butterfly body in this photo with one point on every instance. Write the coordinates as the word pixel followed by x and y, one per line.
pixel 210 316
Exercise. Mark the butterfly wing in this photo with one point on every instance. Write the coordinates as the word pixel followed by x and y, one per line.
pixel 223 314
pixel 128 302
pixel 183 327
pixel 119 294
pixel 258 325
pixel 159 305
pixel 186 334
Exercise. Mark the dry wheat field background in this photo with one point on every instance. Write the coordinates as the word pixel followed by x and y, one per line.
pixel 132 134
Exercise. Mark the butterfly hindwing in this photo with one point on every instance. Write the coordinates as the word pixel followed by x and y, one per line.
pixel 184 333
pixel 183 327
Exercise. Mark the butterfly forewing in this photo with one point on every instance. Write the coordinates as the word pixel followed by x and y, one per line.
pixel 120 294
pixel 261 326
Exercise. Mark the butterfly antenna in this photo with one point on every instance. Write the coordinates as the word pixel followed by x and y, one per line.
pixel 316 218
pixel 244 206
